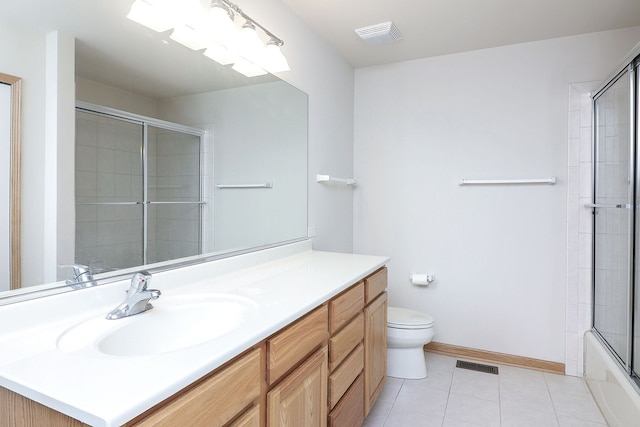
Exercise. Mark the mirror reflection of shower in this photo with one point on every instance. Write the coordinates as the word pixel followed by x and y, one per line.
pixel 141 190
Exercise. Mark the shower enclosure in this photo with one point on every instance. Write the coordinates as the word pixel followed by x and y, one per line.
pixel 616 242
pixel 138 189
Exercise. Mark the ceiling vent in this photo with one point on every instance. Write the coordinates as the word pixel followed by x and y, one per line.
pixel 384 33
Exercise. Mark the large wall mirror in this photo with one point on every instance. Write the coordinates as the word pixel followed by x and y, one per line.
pixel 138 151
pixel 10 106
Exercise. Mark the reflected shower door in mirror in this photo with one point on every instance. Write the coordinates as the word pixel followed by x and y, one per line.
pixel 139 197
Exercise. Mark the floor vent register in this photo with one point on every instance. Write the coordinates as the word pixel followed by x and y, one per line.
pixel 477 367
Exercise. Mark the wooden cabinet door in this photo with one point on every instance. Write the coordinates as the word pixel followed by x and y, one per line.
pixel 301 398
pixel 375 350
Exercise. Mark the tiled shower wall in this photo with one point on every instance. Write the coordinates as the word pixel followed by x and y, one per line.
pixel 579 226
pixel 108 169
pixel 174 176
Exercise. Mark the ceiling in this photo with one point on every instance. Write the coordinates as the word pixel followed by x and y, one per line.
pixel 115 51
pixel 441 27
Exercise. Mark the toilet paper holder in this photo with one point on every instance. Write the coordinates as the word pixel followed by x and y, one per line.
pixel 423 279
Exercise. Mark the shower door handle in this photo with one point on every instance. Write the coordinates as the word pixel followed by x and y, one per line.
pixel 610 206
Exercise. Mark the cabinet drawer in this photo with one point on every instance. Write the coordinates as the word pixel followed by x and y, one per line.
pixel 375 284
pixel 217 400
pixel 343 307
pixel 341 344
pixel 349 412
pixel 342 378
pixel 289 347
pixel 250 419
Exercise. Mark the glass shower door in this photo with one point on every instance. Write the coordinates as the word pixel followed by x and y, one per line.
pixel 635 368
pixel 174 223
pixel 108 192
pixel 613 216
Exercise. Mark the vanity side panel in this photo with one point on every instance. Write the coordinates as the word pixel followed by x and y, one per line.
pixel 18 411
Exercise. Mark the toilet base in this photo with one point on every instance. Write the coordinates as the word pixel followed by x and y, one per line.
pixel 408 363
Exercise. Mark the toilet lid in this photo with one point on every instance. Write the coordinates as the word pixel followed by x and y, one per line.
pixel 403 318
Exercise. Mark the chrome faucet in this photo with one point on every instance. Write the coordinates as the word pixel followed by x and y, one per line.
pixel 82 276
pixel 137 299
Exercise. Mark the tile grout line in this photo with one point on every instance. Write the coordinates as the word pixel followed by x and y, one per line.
pixel 395 397
pixel 553 404
pixel 446 405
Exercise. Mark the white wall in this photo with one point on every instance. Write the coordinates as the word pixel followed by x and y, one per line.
pixel 498 253
pixel 59 156
pixel 113 97
pixel 22 54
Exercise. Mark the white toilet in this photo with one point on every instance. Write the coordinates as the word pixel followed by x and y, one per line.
pixel 407 332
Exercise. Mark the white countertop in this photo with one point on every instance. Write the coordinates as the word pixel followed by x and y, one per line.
pixel 101 390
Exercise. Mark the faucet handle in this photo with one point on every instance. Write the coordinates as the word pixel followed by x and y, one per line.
pixel 78 269
pixel 82 276
pixel 140 281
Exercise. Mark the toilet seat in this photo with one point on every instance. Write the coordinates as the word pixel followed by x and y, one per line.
pixel 402 318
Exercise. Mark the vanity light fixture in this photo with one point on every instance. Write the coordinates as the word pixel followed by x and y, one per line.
pixel 221 20
pixel 248 43
pixel 188 36
pixel 247 68
pixel 274 60
pixel 215 30
pixel 146 12
pixel 220 54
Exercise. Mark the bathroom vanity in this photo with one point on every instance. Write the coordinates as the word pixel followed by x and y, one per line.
pixel 307 346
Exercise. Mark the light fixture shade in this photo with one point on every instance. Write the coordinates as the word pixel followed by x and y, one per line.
pixel 223 30
pixel 152 14
pixel 189 37
pixel 274 60
pixel 249 46
pixel 247 68
pixel 199 26
pixel 220 54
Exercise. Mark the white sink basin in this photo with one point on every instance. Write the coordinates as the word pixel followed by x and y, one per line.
pixel 175 323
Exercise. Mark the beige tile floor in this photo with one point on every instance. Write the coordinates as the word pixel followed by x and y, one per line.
pixel 454 397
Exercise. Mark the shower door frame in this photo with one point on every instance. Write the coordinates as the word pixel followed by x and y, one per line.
pixel 145 122
pixel 632 67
